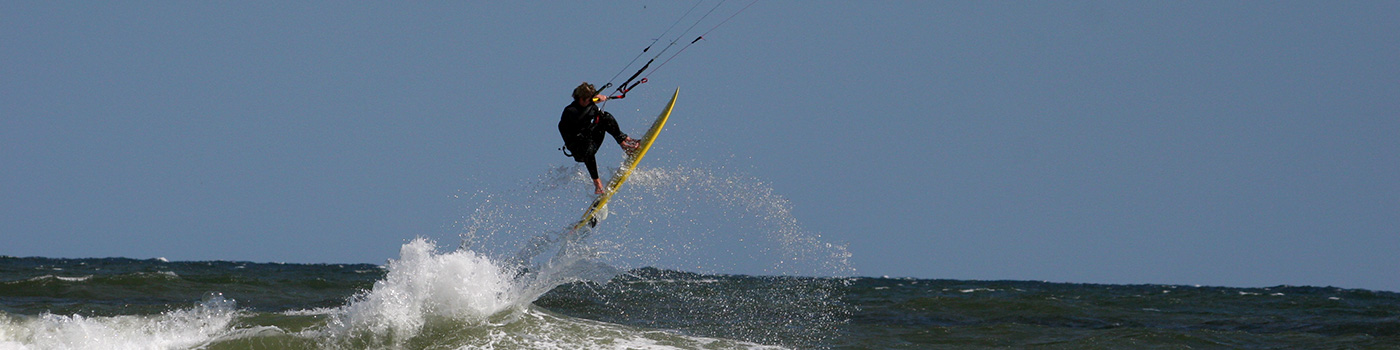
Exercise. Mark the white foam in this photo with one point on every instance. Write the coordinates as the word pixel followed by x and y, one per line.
pixel 974 290
pixel 423 285
pixel 52 277
pixel 178 329
pixel 320 311
pixel 74 279
pixel 485 304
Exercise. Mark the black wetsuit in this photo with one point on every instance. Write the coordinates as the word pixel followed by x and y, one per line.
pixel 583 128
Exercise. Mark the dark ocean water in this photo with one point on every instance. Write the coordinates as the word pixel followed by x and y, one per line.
pixel 458 300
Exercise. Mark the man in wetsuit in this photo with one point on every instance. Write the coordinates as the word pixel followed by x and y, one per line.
pixel 582 125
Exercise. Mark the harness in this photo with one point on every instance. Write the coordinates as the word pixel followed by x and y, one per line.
pixel 597 118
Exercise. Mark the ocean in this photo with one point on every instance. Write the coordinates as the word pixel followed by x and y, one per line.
pixel 417 302
pixel 652 276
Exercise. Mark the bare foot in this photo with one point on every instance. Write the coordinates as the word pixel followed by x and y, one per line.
pixel 630 145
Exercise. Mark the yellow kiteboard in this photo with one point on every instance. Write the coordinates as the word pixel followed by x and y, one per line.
pixel 599 208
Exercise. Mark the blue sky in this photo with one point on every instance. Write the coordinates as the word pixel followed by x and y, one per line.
pixel 1212 142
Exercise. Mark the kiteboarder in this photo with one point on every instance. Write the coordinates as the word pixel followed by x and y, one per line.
pixel 582 125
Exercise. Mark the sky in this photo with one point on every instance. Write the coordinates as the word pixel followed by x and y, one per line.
pixel 1232 143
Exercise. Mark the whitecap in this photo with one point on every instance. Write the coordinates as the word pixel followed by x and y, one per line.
pixel 178 329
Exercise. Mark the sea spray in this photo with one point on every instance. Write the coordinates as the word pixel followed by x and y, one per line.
pixel 178 329
pixel 423 286
pixel 677 217
pixel 680 218
pixel 463 300
pixel 732 223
